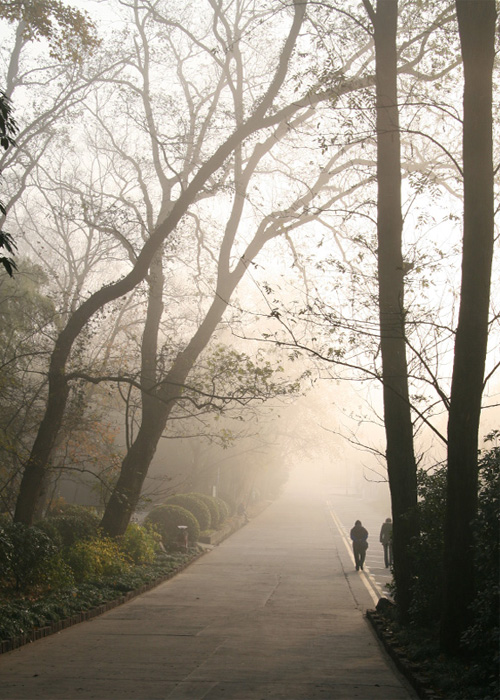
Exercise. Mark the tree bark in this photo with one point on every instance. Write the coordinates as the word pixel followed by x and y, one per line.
pixel 476 23
pixel 156 412
pixel 400 456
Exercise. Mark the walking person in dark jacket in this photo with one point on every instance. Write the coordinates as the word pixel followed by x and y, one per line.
pixel 359 537
pixel 386 539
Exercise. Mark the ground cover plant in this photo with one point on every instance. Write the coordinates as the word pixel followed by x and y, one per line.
pixel 64 566
pixel 23 613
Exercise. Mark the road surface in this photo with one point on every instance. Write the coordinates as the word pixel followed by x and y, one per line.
pixel 274 612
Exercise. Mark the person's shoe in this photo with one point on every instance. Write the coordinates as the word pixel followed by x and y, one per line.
pixel 357 568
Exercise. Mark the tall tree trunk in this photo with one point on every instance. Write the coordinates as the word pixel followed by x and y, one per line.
pixel 135 464
pixel 156 412
pixel 36 467
pixel 476 22
pixel 401 465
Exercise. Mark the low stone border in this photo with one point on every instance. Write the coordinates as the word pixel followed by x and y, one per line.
pixel 217 536
pixel 233 524
pixel 410 670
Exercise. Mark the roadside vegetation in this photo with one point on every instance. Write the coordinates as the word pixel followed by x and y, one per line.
pixel 64 565
pixel 475 673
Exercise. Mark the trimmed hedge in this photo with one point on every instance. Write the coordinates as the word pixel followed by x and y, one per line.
pixel 223 509
pixel 166 518
pixel 211 504
pixel 195 505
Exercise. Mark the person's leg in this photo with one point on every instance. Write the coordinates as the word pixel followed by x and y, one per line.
pixel 386 555
pixel 356 556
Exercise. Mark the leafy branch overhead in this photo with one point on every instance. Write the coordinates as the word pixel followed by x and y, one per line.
pixel 70 32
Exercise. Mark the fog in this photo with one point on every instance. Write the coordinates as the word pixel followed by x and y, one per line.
pixel 256 328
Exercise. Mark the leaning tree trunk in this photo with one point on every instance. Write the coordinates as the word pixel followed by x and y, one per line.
pixel 476 22
pixel 401 465
pixel 156 410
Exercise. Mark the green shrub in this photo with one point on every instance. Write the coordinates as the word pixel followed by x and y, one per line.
pixel 60 507
pixel 26 560
pixel 140 543
pixel 427 550
pixel 57 573
pixel 483 636
pixel 93 558
pixel 5 519
pixel 229 503
pixel 194 505
pixel 223 509
pixel 166 518
pixel 74 525
pixel 6 552
pixel 213 508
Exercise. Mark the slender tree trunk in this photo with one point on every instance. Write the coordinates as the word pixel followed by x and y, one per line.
pixel 133 472
pixel 401 465
pixel 156 412
pixel 476 22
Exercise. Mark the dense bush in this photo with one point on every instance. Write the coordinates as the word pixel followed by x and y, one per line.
pixel 212 506
pixel 65 549
pixel 72 526
pixel 94 558
pixel 26 555
pixel 223 509
pixel 140 544
pixel 166 518
pixel 427 551
pixel 194 504
pixel 6 549
pixel 72 509
pixel 483 636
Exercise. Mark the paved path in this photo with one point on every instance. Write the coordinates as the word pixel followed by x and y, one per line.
pixel 275 611
pixel 346 510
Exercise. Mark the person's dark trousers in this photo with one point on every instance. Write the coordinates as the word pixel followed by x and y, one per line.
pixel 359 551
